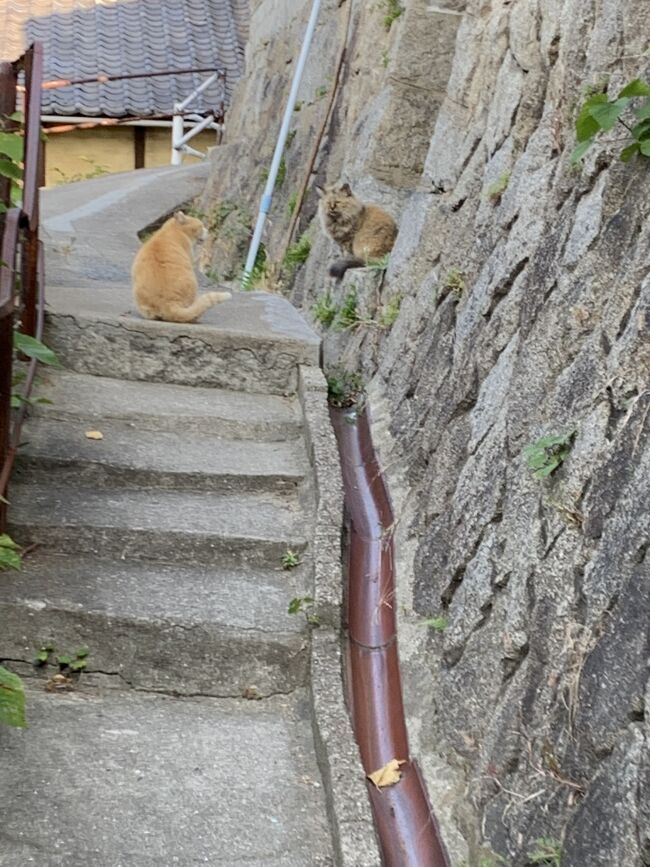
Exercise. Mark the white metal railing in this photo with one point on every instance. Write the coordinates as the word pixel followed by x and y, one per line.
pixel 180 137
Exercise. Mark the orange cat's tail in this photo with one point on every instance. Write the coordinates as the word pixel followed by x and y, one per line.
pixel 338 268
pixel 177 313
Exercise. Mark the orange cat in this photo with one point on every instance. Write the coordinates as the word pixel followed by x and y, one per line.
pixel 164 282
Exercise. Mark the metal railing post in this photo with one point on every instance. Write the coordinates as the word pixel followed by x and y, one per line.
pixel 177 135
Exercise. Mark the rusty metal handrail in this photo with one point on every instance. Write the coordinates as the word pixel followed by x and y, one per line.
pixel 20 232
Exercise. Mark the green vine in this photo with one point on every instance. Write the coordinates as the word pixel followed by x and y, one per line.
pixel 600 114
pixel 11 158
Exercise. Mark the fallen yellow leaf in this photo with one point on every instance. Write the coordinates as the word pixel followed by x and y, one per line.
pixel 388 775
pixel 94 435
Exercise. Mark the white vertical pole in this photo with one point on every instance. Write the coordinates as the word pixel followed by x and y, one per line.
pixel 177 135
pixel 267 197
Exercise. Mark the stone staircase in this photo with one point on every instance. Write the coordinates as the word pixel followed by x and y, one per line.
pixel 189 739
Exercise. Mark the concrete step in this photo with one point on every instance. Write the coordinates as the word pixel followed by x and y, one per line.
pixel 160 407
pixel 59 453
pixel 170 628
pixel 154 524
pixel 252 343
pixel 106 777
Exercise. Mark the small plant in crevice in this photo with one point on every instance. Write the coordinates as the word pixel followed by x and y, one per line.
pixel 292 201
pixel 454 282
pixel 496 190
pixel 547 851
pixel 548 453
pixel 390 311
pixel 378 264
pixel 68 663
pixel 599 114
pixel 279 178
pixel 290 560
pixel 348 313
pixel 324 310
pixel 321 91
pixel 439 623
pixel 392 11
pixel 344 388
pixel 290 137
pixel 297 254
pixel 305 605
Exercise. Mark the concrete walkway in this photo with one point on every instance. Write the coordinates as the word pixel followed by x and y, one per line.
pixel 189 739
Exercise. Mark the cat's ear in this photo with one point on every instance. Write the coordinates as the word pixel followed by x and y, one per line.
pixel 345 188
pixel 180 217
pixel 320 192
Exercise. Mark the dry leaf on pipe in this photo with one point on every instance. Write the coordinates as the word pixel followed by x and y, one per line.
pixel 94 435
pixel 388 775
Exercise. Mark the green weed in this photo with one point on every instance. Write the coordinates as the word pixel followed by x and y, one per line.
pixel 392 11
pixel 547 453
pixel 348 313
pixel 546 851
pixel 324 310
pixel 498 188
pixel 439 623
pixel 304 605
pixel 290 559
pixel 297 254
pixel 344 388
pixel 390 311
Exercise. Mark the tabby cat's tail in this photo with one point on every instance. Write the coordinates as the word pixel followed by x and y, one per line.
pixel 338 268
pixel 177 313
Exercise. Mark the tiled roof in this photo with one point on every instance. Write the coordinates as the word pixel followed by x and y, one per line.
pixel 84 38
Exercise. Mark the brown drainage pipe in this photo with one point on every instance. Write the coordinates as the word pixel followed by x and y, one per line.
pixel 407 829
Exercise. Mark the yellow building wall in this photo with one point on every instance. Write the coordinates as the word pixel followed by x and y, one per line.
pixel 87 153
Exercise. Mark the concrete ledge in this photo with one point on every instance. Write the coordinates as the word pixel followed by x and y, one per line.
pixel 253 342
pixel 337 752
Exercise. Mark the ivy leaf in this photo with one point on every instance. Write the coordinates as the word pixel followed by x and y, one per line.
pixel 635 88
pixel 606 115
pixel 586 126
pixel 11 145
pixel 644 147
pixel 33 348
pixel 12 699
pixel 641 130
pixel 643 111
pixel 9 169
pixel 580 150
pixel 7 542
pixel 9 556
pixel 628 152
